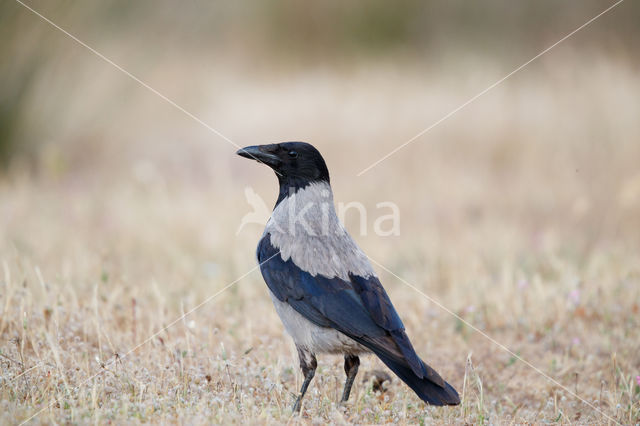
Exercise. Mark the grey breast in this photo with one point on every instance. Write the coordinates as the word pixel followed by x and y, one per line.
pixel 306 229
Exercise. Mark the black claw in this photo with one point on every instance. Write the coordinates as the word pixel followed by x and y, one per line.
pixel 308 364
pixel 296 406
pixel 351 364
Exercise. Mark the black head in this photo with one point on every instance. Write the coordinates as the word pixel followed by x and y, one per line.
pixel 296 163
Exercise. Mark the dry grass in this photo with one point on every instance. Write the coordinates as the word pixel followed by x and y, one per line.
pixel 521 214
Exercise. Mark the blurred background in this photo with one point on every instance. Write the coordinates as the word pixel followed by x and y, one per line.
pixel 553 149
pixel 534 185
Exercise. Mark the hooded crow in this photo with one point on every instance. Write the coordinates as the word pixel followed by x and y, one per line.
pixel 322 284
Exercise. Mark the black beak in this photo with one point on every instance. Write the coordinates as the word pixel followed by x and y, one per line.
pixel 256 152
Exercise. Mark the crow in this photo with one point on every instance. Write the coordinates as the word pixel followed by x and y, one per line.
pixel 322 284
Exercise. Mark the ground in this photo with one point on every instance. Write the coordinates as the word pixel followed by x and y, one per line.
pixel 127 295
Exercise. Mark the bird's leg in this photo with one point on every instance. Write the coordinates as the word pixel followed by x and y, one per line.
pixel 351 363
pixel 308 365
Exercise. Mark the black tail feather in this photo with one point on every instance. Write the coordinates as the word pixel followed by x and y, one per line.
pixel 427 390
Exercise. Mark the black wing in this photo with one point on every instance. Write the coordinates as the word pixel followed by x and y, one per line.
pixel 358 308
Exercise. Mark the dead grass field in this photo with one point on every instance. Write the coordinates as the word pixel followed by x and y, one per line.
pixel 521 214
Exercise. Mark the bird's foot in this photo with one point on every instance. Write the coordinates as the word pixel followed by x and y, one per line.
pixel 297 405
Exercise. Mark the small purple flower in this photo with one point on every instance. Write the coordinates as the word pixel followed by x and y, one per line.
pixel 574 296
pixel 638 380
pixel 575 341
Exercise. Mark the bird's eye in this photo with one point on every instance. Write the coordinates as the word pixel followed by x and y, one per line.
pixel 293 154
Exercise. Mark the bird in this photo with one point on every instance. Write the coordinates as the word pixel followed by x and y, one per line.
pixel 322 284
